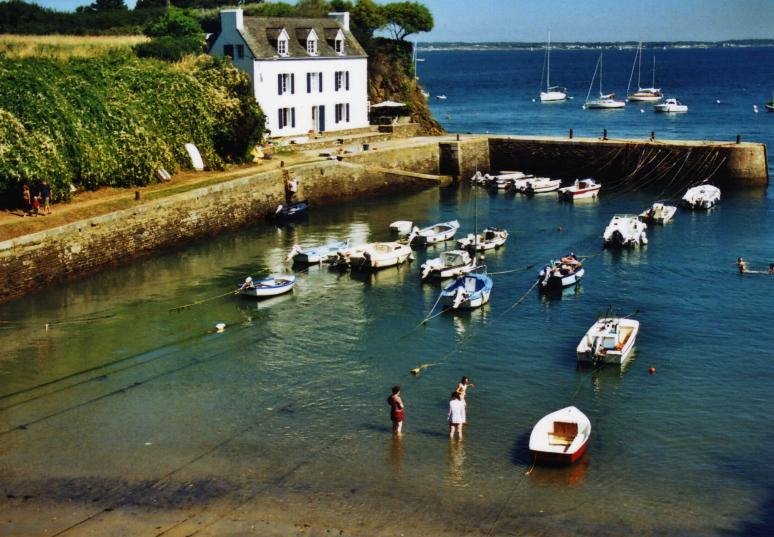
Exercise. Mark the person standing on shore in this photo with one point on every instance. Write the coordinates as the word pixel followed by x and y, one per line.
pixel 27 200
pixel 45 194
pixel 397 413
pixel 456 415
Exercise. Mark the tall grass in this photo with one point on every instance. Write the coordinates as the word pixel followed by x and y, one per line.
pixel 64 47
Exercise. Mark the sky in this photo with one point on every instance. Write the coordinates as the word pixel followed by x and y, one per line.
pixel 583 20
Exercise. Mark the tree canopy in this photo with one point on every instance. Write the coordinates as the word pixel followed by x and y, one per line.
pixel 405 18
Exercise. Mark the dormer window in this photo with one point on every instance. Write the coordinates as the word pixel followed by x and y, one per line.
pixel 311 46
pixel 282 37
pixel 311 40
pixel 338 43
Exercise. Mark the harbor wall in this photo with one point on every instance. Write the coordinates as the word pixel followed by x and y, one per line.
pixel 36 261
pixel 33 262
pixel 643 163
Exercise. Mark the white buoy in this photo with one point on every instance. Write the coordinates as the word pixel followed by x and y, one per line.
pixel 642 111
pixel 755 108
pixel 533 100
pixel 717 101
pixel 220 327
pixel 583 107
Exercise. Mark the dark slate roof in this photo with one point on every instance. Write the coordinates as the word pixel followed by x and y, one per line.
pixel 261 35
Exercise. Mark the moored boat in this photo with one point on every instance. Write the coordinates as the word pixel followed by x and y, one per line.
pixel 467 292
pixel 625 230
pixel 289 212
pixel 552 93
pixel 560 437
pixel 490 238
pixel 701 197
pixel 658 213
pixel 670 105
pixel 610 340
pixel 432 234
pixel 580 189
pixel 557 275
pixel 605 100
pixel 402 227
pixel 266 287
pixel 651 94
pixel 542 185
pixel 377 255
pixel 316 254
pixel 450 264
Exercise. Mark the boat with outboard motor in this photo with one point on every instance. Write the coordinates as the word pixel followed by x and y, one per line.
pixel 432 234
pixel 377 255
pixel 701 197
pixel 316 254
pixel 557 275
pixel 658 213
pixel 671 105
pixel 542 185
pixel 402 227
pixel 468 291
pixel 450 264
pixel 625 230
pixel 610 340
pixel 266 287
pixel 490 238
pixel 580 189
pixel 289 212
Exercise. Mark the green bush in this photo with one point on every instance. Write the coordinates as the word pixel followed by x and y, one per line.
pixel 113 120
pixel 169 48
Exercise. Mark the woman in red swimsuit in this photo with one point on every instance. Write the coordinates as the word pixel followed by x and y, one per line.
pixel 397 413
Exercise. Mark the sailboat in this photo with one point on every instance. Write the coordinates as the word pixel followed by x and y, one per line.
pixel 552 93
pixel 605 100
pixel 651 94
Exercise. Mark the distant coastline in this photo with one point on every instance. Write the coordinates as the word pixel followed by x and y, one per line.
pixel 620 45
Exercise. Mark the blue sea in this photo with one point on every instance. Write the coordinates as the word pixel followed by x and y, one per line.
pixel 121 406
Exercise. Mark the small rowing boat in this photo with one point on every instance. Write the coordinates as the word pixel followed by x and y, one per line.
pixel 560 437
pixel 266 287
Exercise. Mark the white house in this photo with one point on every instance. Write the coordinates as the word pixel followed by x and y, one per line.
pixel 308 74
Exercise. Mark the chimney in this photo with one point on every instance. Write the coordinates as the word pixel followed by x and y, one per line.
pixel 232 18
pixel 342 17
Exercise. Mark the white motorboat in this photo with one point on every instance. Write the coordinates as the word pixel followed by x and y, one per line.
pixel 507 180
pixel 552 93
pixel 625 230
pixel 266 287
pixel 557 275
pixel 658 213
pixel 605 100
pixel 432 234
pixel 490 238
pixel 402 227
pixel 701 197
pixel 580 189
pixel 467 292
pixel 449 264
pixel 542 185
pixel 651 94
pixel 316 254
pixel 378 255
pixel 441 97
pixel 610 340
pixel 560 437
pixel 670 106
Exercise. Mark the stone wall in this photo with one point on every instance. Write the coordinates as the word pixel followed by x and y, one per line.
pixel 35 261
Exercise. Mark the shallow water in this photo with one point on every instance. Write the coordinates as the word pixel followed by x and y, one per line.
pixel 126 405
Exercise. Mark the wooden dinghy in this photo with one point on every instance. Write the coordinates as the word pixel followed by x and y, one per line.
pixel 560 437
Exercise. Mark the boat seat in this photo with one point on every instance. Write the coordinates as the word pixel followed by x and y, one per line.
pixel 563 434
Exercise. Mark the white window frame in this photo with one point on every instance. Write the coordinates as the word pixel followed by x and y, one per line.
pixel 311 46
pixel 282 47
pixel 338 80
pixel 339 47
pixel 286 118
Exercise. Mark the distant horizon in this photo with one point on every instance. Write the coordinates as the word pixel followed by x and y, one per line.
pixel 574 21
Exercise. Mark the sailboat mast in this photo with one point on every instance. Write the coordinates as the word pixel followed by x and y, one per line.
pixel 639 67
pixel 548 62
pixel 600 74
pixel 653 82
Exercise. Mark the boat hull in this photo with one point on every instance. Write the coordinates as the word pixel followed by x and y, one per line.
pixel 552 96
pixel 268 287
pixel 555 284
pixel 605 105
pixel 360 262
pixel 561 437
pixel 617 355
pixel 580 194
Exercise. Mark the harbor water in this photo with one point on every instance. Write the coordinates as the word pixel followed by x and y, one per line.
pixel 120 403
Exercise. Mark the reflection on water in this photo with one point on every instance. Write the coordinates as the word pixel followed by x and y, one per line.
pixel 456 457
pixel 396 454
